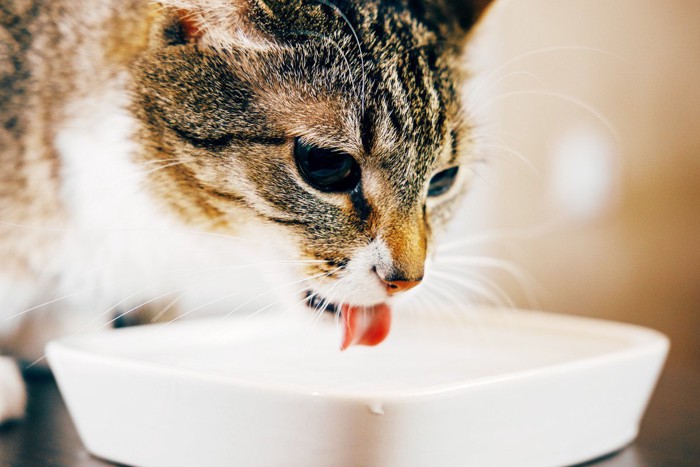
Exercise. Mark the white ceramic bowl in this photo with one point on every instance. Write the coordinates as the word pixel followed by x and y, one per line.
pixel 491 388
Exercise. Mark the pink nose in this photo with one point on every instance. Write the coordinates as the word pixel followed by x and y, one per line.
pixel 394 287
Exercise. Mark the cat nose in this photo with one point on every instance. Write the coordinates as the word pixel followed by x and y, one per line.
pixel 394 287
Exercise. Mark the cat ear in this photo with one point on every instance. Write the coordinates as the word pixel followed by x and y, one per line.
pixel 218 22
pixel 468 12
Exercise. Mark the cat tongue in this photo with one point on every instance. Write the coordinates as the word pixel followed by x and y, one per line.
pixel 365 325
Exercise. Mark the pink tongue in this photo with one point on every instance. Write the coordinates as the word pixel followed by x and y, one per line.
pixel 365 325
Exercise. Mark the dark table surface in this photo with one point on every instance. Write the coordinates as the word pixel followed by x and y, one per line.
pixel 670 433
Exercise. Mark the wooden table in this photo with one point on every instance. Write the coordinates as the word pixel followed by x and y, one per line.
pixel 670 434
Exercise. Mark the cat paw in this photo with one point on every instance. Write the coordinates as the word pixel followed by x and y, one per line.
pixel 13 397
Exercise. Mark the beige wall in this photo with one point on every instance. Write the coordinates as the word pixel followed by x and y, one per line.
pixel 604 103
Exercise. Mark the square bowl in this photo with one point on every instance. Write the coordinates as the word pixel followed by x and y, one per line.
pixel 487 388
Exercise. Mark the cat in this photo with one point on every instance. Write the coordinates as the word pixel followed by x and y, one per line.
pixel 329 136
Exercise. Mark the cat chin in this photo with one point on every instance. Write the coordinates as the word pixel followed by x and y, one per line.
pixel 349 290
pixel 319 302
pixel 359 285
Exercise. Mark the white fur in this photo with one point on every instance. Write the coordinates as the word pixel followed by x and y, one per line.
pixel 360 284
pixel 118 249
pixel 117 223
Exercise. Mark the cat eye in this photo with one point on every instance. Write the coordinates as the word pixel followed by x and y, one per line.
pixel 325 169
pixel 442 181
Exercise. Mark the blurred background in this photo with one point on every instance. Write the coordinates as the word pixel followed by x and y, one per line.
pixel 590 186
pixel 590 114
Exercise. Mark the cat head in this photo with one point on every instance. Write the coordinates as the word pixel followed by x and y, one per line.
pixel 339 125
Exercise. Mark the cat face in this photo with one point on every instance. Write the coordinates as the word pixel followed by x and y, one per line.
pixel 338 126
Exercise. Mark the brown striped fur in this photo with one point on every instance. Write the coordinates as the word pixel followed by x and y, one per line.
pixel 224 87
pixel 301 74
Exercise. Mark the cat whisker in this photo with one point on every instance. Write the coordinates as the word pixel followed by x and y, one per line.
pixel 135 164
pixel 525 282
pixel 486 78
pixel 529 232
pixel 82 331
pixel 35 362
pixel 136 307
pixel 49 302
pixel 417 301
pixel 158 283
pixel 164 163
pixel 86 327
pixel 432 303
pixel 557 95
pixel 34 227
pixel 232 237
pixel 483 291
pixel 484 261
pixel 518 155
pixel 357 40
pixel 474 322
pixel 265 307
pixel 204 305
pixel 450 302
pixel 512 74
pixel 150 171
pixel 254 265
pixel 72 294
pixel 267 291
pixel 170 231
pixel 140 292
pixel 338 316
pixel 156 318
pixel 328 298
pixel 193 271
pixel 335 44
pixel 89 324
pixel 218 337
pixel 321 308
pixel 111 183
pixel 308 297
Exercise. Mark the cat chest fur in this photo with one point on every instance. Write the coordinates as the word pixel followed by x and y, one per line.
pixel 118 247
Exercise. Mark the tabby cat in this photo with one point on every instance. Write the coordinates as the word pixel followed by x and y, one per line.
pixel 330 136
